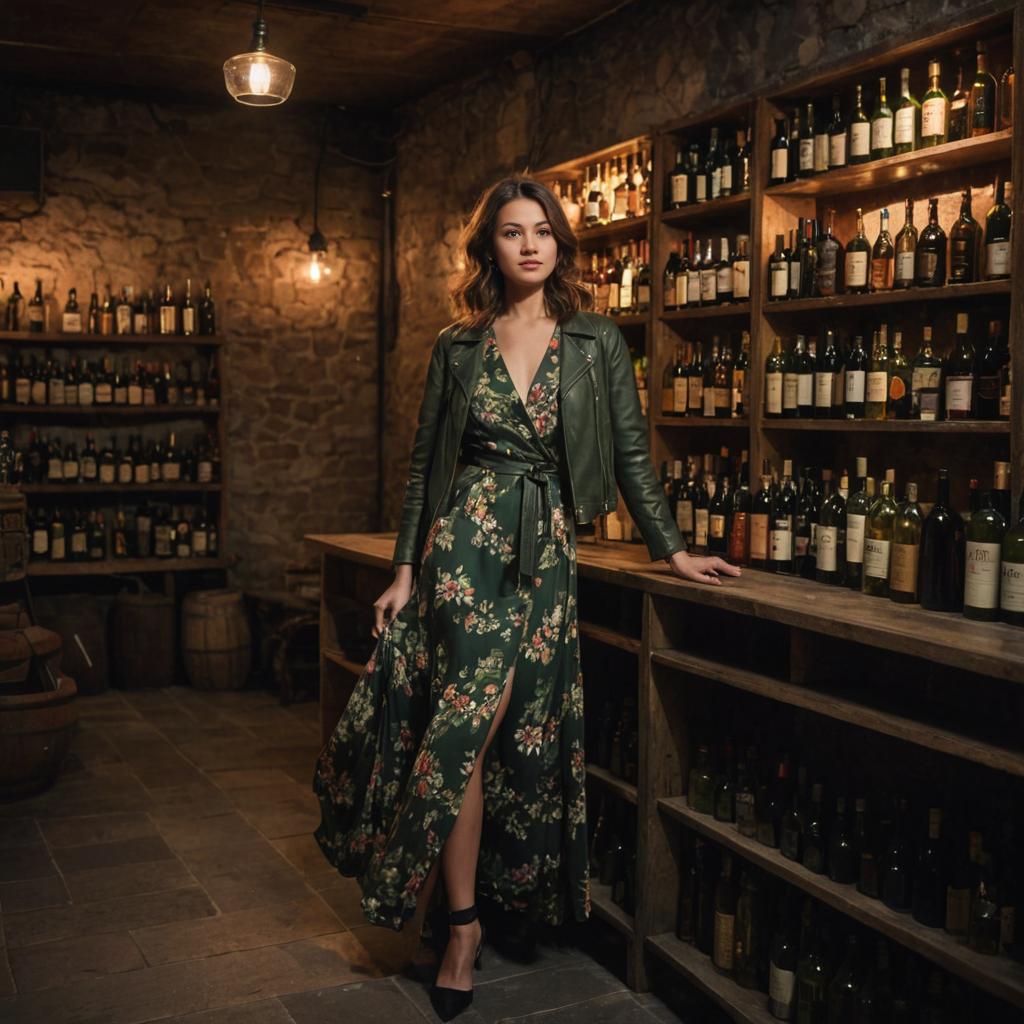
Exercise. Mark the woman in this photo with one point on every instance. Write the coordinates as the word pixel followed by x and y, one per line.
pixel 530 418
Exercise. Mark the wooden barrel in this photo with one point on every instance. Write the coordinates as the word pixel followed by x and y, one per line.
pixel 17 648
pixel 142 641
pixel 13 616
pixel 81 620
pixel 215 638
pixel 35 733
pixel 13 534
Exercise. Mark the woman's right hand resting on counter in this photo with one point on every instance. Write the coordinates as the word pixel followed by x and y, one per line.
pixel 394 599
pixel 701 568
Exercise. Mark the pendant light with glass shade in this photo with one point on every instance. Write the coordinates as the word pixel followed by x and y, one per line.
pixel 318 265
pixel 258 78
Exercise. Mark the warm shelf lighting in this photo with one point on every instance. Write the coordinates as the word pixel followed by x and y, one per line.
pixel 258 78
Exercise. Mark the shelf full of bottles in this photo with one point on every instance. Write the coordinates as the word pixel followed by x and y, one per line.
pixel 118 449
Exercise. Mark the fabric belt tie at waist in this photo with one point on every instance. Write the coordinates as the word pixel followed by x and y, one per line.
pixel 535 477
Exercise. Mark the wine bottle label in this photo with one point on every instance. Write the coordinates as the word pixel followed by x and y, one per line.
pixel 828 542
pixel 149 395
pixel 693 288
pixel 107 473
pixel 855 538
pixel 827 268
pixel 1004 400
pixel 71 394
pixel 591 210
pixel 57 548
pixel 86 394
pixel 855 385
pixel 677 402
pixel 933 118
pixel 904 130
pixel 1011 592
pixel 997 259
pixel 759 536
pixel 702 188
pixel 22 391
pixel 897 388
pixel 39 392
pixel 880 270
pixel 877 386
pixel 35 314
pixel 71 323
pixel 738 538
pixel 723 404
pixel 88 467
pixel 684 516
pixel 780 541
pixel 700 533
pixel 801 541
pixel 725 938
pixel 781 988
pixel 881 133
pixel 794 276
pixel 981 575
pixel 199 542
pixel 142 473
pixel 626 296
pixel 643 296
pixel 1007 925
pixel 821 152
pixel 727 178
pixel 140 323
pixel 56 392
pixel 806 155
pixel 773 393
pixel 790 390
pixel 70 470
pixel 708 286
pixel 958 394
pixel 805 390
pixel 958 906
pixel 823 384
pixel 171 471
pixel 724 280
pixel 124 319
pixel 708 408
pixel 741 279
pixel 104 394
pixel 695 393
pixel 716 183
pixel 78 543
pixel 904 269
pixel 860 139
pixel 55 469
pixel 40 542
pixel 780 164
pixel 613 303
pixel 716 526
pixel 779 280
pixel 120 394
pixel 926 265
pixel 876 558
pixel 679 184
pixel 125 473
pixel 837 150
pixel 680 291
pixel 904 568
pixel 134 394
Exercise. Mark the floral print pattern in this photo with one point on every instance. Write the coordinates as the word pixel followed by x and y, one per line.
pixel 392 777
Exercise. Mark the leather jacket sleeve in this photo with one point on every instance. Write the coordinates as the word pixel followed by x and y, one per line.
pixel 420 460
pixel 634 472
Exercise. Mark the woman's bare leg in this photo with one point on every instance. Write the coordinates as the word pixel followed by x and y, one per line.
pixel 458 864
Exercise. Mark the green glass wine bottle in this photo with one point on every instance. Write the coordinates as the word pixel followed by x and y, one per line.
pixel 878 543
pixel 906 547
pixel 1011 591
pixel 983 554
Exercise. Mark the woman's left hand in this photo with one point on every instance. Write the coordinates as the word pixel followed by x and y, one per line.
pixel 701 568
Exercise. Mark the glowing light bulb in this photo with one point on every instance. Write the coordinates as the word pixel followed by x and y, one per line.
pixel 314 268
pixel 259 78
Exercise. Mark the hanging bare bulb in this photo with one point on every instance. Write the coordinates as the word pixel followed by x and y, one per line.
pixel 318 266
pixel 257 78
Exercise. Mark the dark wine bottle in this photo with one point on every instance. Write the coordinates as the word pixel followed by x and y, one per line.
pixel 779 154
pixel 964 244
pixel 930 261
pixel 941 569
pixel 997 236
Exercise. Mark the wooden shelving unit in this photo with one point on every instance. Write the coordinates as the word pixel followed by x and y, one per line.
pixel 622 788
pixel 105 567
pixel 51 412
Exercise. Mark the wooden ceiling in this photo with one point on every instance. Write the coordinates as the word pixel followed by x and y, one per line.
pixel 371 55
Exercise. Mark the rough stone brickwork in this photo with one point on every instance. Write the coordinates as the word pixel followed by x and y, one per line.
pixel 652 61
pixel 138 194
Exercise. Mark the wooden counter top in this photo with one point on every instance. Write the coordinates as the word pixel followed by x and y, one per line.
pixel 993 649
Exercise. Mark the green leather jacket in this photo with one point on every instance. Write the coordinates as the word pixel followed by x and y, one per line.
pixel 604 430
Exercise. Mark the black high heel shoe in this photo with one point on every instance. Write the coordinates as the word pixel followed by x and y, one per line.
pixel 450 1002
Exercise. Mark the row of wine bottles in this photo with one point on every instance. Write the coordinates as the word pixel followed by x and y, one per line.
pixel 863 538
pixel 151 531
pixel 941 867
pixel 613 739
pixel 815 264
pixel 611 846
pixel 620 279
pixel 707 275
pixel 125 314
pixel 704 174
pixel 813 145
pixel 971 382
pixel 45 460
pixel 709 380
pixel 812 963
pixel 612 190
pixel 108 381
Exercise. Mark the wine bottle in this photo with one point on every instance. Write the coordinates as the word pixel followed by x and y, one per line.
pixel 793 159
pixel 857 509
pixel 678 180
pixel 780 533
pixel 811 972
pixel 35 311
pixel 858 259
pixel 842 851
pixel 725 917
pixel 844 988
pixel 830 534
pixel 783 960
pixel 739 519
pixel 964 244
pixel 778 271
pixel 900 378
pixel 805 367
pixel 821 141
pixel 940 578
pixel 928 902
pixel 837 147
pixel 779 154
pixel 71 321
pixel 741 270
pixel 877 392
pixel 992 375
pixel 985 532
pixel 898 863
pixel 960 383
pixel 906 250
pixel 907 129
pixel 934 110
pixel 878 543
pixel 882 254
pixel 791 381
pixel 860 131
pixel 824 377
pixel 805 157
pixel 981 101
pixel 760 516
pixel 906 548
pixel 930 262
pixel 997 235
pixel 812 835
pixel 828 259
pixel 857 362
pixel 1011 590
pixel 882 125
pixel 926 381
pixel 723 273
pixel 748 950
pixel 958 108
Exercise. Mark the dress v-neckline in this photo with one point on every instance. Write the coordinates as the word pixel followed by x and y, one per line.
pixel 533 380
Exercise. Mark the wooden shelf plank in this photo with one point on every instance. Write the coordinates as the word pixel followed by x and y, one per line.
pixel 694 213
pixel 184 487
pixel 338 658
pixel 892 426
pixel 730 309
pixel 902 168
pixel 998 975
pixel 630 319
pixel 611 637
pixel 602 904
pixel 57 339
pixel 125 565
pixel 843 710
pixel 894 297
pixel 746 1005
pixel 660 420
pixel 93 411
pixel 620 787
pixel 615 231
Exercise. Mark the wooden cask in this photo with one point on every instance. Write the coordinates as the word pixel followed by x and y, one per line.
pixel 216 640
pixel 142 641
pixel 81 621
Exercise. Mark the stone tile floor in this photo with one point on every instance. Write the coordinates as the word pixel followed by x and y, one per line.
pixel 170 874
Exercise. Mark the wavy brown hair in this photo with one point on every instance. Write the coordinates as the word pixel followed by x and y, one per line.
pixel 479 292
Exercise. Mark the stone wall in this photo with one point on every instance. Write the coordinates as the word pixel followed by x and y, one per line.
pixel 140 193
pixel 651 62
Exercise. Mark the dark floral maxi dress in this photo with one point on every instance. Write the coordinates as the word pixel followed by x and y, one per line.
pixel 391 778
